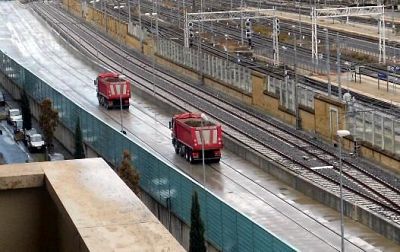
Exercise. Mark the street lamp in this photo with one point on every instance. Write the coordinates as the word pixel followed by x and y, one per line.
pixel 140 27
pixel 341 134
pixel 154 15
pixel 120 103
pixel 203 119
pixel 118 30
pixel 328 66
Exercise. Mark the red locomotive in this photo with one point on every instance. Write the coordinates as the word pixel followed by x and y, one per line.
pixel 113 91
pixel 188 131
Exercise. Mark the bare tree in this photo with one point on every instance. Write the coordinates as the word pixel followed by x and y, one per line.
pixel 128 173
pixel 48 121
pixel 26 111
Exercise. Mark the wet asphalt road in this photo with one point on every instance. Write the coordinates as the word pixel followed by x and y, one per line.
pixel 10 151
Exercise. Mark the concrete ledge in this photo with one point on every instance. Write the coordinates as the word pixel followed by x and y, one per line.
pixel 96 211
pixel 17 177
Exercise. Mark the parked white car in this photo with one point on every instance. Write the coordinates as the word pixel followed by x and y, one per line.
pixel 34 140
pixel 14 115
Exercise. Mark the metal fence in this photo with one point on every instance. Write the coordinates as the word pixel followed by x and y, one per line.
pixel 286 56
pixel 218 68
pixel 226 228
pixel 365 123
pixel 285 90
pixel 379 129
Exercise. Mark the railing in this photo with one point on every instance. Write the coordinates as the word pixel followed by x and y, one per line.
pixel 218 68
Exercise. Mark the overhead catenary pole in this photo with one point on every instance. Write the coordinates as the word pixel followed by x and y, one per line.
pixel 393 25
pixel 129 11
pixel 300 24
pixel 382 39
pixel 200 57
pixel 224 16
pixel 338 67
pixel 154 14
pixel 241 22
pixel 275 41
pixel 157 31
pixel 314 29
pixel 140 27
pixel 103 9
pixel 296 95
pixel 376 11
pixel 328 63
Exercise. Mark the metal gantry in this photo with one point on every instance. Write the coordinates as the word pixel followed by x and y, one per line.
pixel 377 11
pixel 242 14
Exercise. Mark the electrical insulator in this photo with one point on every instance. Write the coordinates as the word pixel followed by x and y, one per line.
pixel 191 33
pixel 277 27
pixel 248 30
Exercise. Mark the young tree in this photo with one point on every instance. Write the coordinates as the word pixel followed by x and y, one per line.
pixel 197 243
pixel 79 151
pixel 26 111
pixel 48 121
pixel 128 173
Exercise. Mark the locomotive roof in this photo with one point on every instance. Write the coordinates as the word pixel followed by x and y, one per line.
pixel 108 74
pixel 193 119
pixel 111 77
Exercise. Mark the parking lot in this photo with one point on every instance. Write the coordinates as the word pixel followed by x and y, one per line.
pixel 13 151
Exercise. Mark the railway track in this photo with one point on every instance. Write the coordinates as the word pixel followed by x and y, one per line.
pixel 261 42
pixel 370 70
pixel 236 119
pixel 365 100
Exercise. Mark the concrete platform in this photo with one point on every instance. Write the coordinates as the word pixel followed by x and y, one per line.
pixel 387 91
pixel 356 28
pixel 298 220
pixel 105 214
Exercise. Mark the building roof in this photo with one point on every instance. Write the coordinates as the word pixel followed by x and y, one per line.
pixel 106 213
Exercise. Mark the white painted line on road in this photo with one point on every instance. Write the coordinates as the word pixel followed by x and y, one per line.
pixel 322 167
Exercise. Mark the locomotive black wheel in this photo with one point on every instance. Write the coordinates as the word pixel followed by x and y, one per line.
pixel 191 158
pixel 182 150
